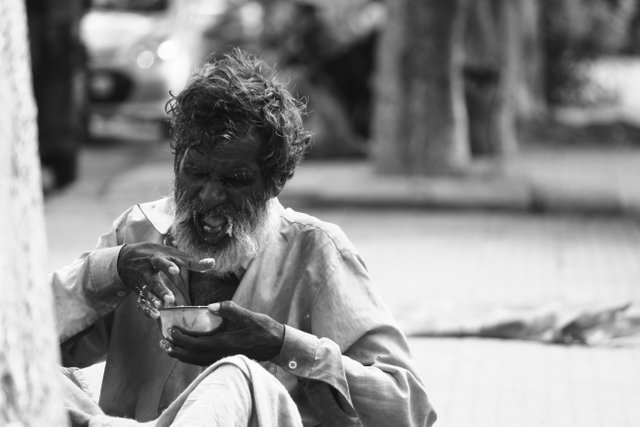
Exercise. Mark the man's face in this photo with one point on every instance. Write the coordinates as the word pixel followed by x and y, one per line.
pixel 220 199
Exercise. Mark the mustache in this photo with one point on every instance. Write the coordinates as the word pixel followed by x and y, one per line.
pixel 193 211
pixel 188 210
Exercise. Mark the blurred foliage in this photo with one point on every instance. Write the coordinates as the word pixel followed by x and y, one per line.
pixel 577 32
pixel 327 48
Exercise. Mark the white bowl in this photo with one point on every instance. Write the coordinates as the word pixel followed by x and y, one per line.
pixel 192 318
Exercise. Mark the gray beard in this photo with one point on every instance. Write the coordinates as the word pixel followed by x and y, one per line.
pixel 243 245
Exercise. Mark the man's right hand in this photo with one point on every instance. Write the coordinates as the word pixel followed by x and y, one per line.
pixel 158 274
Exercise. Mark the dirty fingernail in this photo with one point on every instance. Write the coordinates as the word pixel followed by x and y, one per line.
pixel 165 345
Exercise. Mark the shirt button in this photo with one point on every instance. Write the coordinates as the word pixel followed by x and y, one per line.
pixel 293 364
pixel 121 293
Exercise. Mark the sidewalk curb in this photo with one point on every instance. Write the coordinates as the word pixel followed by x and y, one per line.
pixel 511 197
pixel 536 203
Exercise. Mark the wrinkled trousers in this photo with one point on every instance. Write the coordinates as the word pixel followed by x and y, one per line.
pixel 235 391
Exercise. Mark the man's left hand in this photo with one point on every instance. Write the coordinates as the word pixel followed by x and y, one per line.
pixel 255 335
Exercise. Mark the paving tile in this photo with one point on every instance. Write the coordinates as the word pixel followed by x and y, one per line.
pixel 529 384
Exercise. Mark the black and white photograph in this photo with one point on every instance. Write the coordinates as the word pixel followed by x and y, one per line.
pixel 287 213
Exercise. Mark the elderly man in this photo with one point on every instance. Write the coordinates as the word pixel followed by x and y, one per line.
pixel 295 295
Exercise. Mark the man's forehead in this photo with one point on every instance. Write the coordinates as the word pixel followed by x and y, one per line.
pixel 242 148
pixel 204 149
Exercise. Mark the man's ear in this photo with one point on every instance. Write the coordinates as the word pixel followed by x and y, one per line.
pixel 277 187
pixel 177 159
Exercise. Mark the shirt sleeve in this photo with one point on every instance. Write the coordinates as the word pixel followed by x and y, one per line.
pixel 89 288
pixel 355 364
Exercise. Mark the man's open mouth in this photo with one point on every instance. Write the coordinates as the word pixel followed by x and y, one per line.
pixel 213 228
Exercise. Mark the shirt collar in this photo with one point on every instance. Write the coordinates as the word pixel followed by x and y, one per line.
pixel 160 213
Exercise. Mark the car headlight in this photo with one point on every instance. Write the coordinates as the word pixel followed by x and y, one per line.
pixel 145 59
pixel 150 52
pixel 168 49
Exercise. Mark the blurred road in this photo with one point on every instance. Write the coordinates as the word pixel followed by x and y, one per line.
pixel 426 260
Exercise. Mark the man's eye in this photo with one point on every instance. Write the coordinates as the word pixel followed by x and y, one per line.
pixel 240 178
pixel 195 171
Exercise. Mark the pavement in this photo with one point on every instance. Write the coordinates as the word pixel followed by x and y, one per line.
pixel 485 382
pixel 474 242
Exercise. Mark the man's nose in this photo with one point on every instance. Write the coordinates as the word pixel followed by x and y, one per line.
pixel 212 194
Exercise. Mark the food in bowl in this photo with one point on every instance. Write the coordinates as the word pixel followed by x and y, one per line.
pixel 195 319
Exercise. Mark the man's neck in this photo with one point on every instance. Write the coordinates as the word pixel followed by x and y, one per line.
pixel 205 289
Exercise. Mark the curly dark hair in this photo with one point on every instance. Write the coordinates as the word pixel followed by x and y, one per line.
pixel 235 94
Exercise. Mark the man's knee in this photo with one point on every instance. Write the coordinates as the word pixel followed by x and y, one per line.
pixel 240 369
pixel 245 375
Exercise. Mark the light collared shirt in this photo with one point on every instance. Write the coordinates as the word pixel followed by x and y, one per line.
pixel 344 361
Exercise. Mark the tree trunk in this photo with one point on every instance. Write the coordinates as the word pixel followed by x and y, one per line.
pixel 29 390
pixel 527 61
pixel 419 122
pixel 491 42
pixel 503 73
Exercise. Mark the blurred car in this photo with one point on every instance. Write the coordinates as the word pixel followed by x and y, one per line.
pixel 138 51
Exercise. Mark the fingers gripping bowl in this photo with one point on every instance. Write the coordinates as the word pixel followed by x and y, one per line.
pixel 192 318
